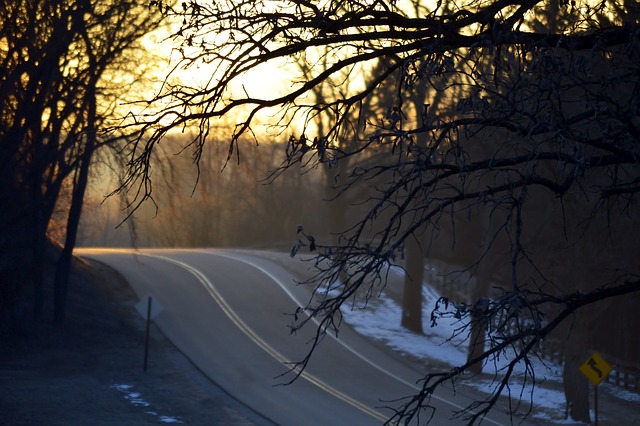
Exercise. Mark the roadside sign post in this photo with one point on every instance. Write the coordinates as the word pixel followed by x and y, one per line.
pixel 146 338
pixel 596 369
pixel 149 311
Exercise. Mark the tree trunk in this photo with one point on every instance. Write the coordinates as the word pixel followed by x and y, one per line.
pixel 576 391
pixel 16 264
pixel 576 385
pixel 39 239
pixel 412 292
pixel 478 311
pixel 63 267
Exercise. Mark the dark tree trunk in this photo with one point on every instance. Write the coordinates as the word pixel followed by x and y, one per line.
pixel 24 217
pixel 412 293
pixel 478 311
pixel 16 261
pixel 39 239
pixel 477 338
pixel 576 390
pixel 21 250
pixel 576 385
pixel 63 267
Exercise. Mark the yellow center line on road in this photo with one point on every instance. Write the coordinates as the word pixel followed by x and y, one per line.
pixel 263 344
pixel 346 346
pixel 209 286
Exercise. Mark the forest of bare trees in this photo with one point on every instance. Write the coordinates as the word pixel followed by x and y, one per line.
pixel 232 205
pixel 65 70
pixel 498 136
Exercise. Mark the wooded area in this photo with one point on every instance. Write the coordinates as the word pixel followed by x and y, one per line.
pixel 498 137
pixel 64 70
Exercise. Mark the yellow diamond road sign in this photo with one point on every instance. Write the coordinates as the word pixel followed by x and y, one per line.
pixel 595 369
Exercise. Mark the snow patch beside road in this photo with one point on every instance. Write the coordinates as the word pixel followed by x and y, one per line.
pixel 135 398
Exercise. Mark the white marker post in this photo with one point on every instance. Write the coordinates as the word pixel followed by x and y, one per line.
pixel 149 311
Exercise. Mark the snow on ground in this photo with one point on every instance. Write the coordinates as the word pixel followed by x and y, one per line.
pixel 381 321
pixel 383 324
pixel 136 399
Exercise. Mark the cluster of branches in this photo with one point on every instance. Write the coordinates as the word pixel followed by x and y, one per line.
pixel 56 63
pixel 518 116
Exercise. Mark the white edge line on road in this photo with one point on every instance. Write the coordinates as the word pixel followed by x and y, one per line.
pixel 346 346
pixel 261 343
pixel 249 332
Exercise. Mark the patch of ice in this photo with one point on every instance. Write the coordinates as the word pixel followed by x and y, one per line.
pixel 135 398
pixel 168 419
pixel 122 388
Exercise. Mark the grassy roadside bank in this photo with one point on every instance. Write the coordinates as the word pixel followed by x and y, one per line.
pixel 89 370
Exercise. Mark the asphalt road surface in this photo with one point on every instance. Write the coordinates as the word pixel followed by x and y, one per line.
pixel 228 312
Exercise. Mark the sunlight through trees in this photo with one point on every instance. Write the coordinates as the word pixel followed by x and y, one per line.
pixel 499 136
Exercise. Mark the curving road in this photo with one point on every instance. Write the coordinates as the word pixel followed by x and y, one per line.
pixel 227 311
